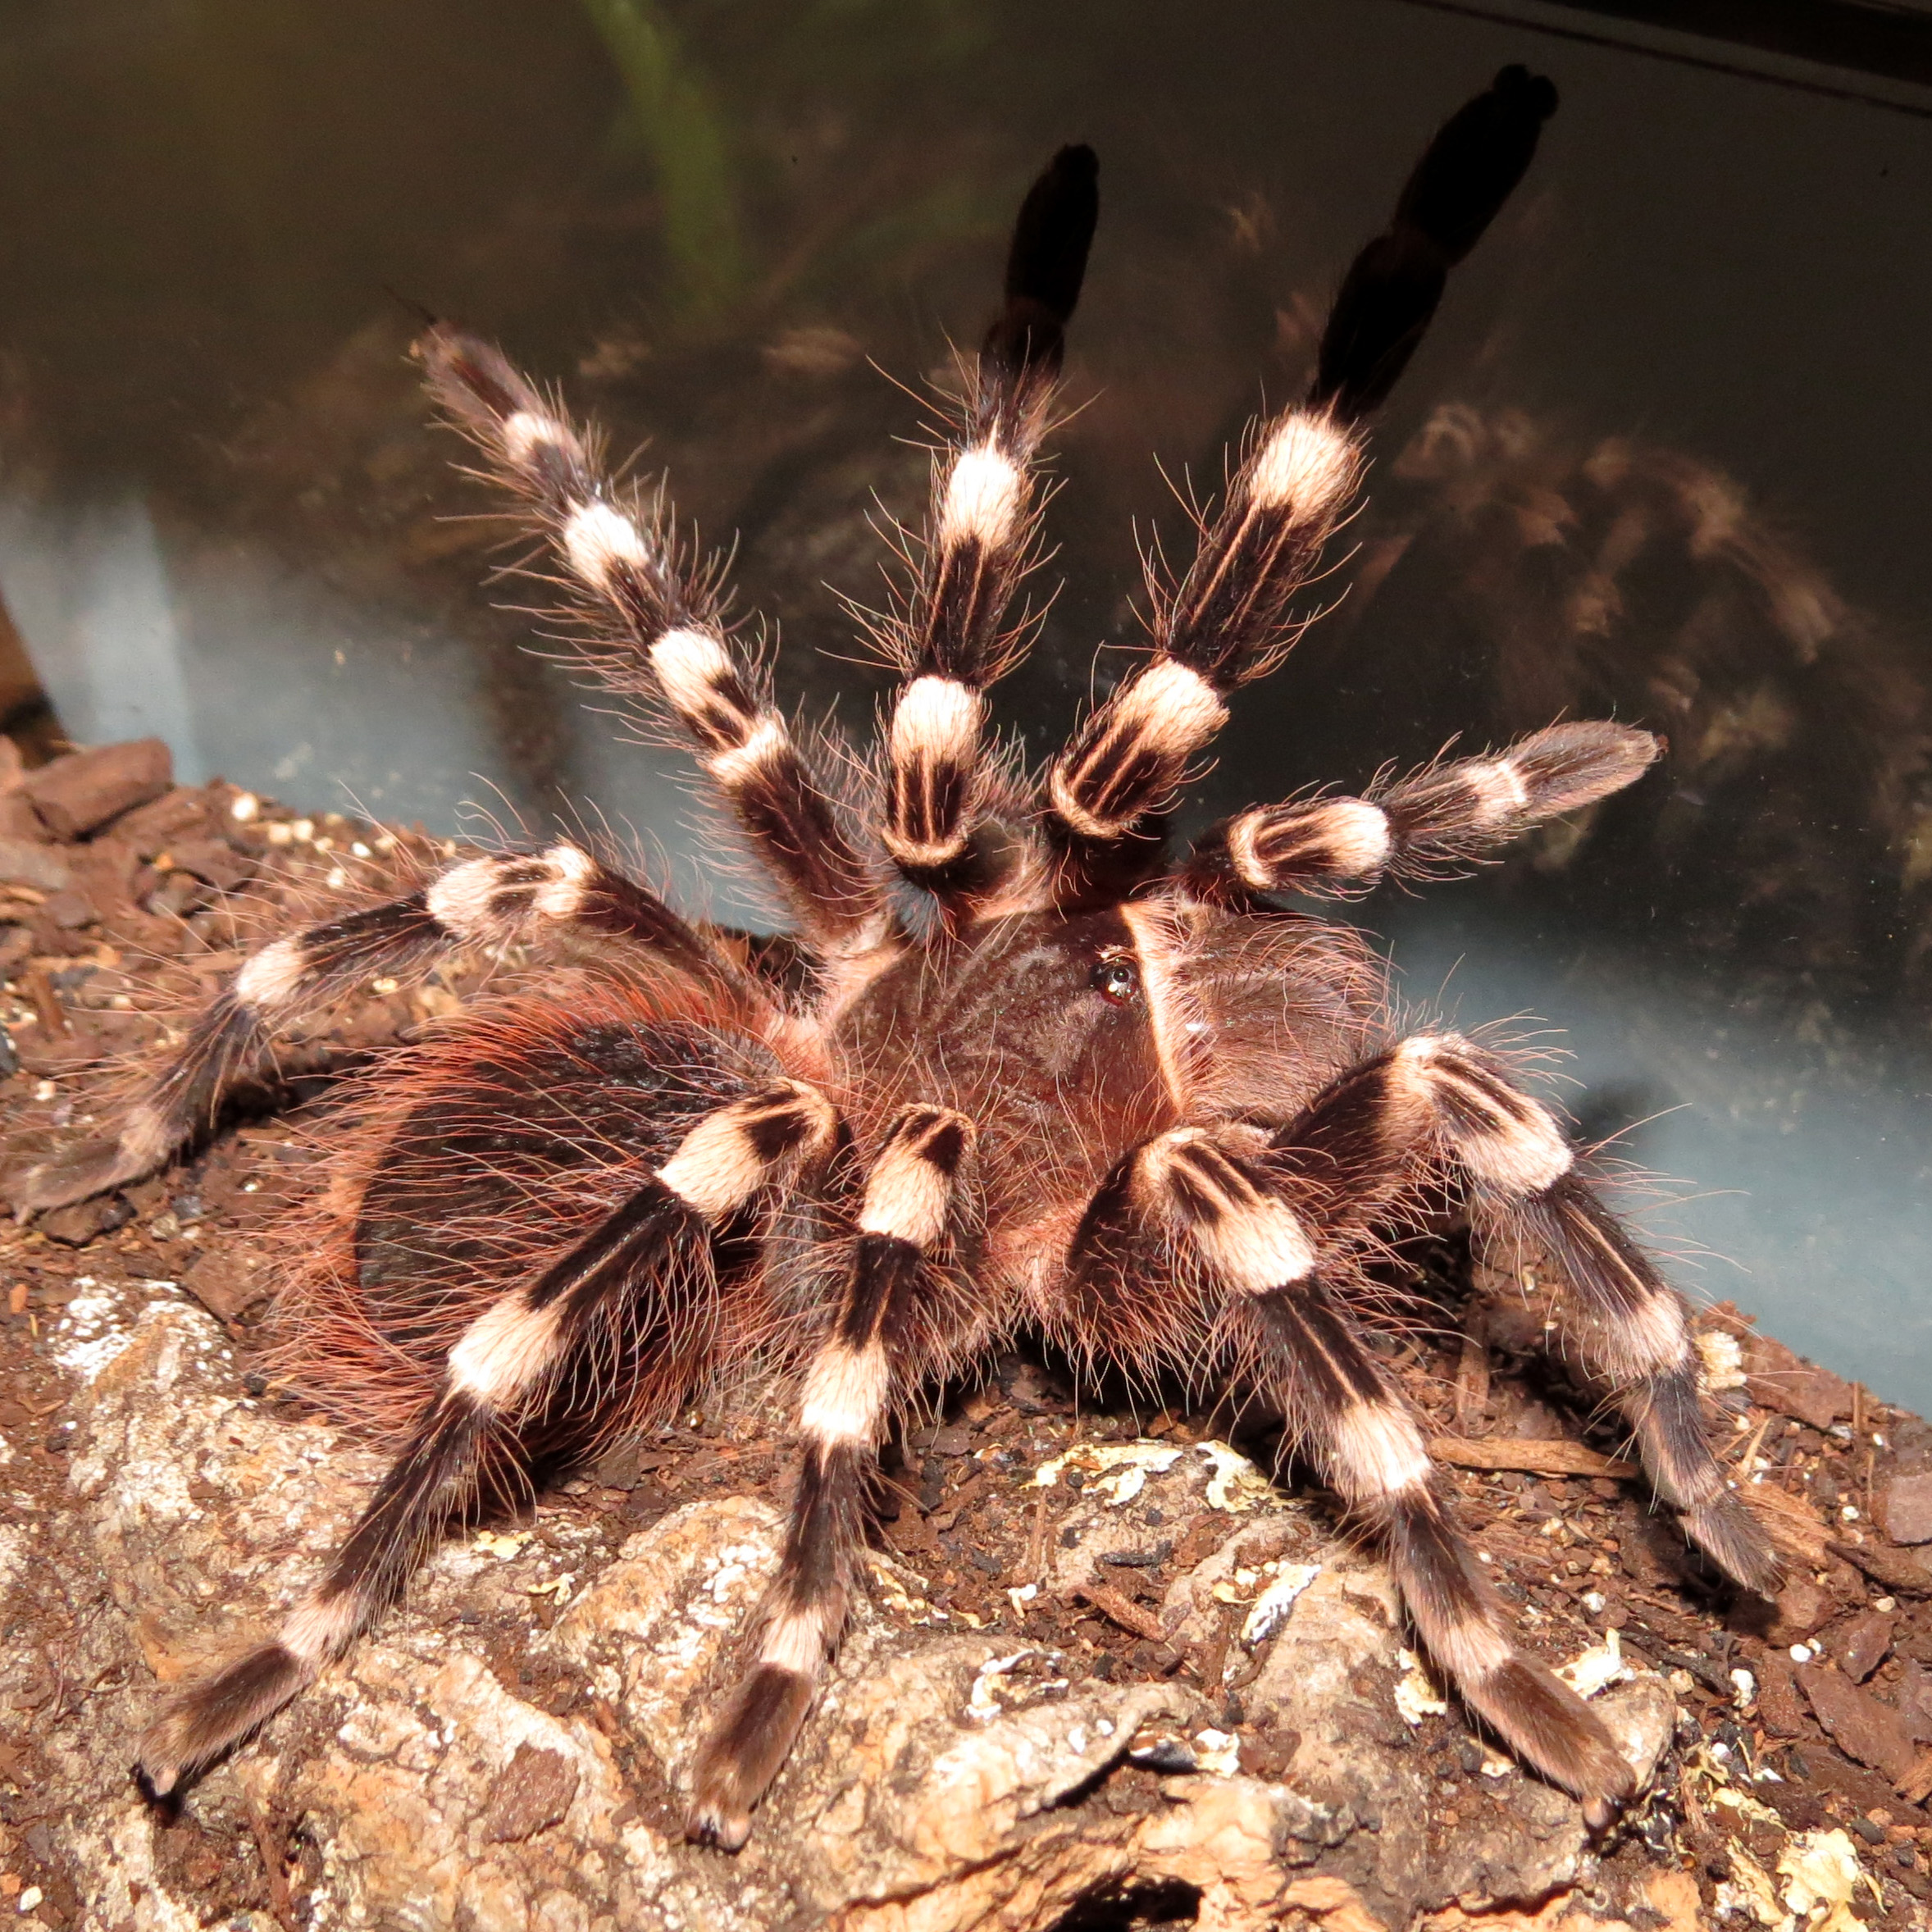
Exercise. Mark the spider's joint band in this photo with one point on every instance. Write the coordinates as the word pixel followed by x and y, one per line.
pixel 1133 749
pixel 1254 1239
pixel 528 430
pixel 909 1193
pixel 730 1154
pixel 1505 1141
pixel 320 1627
pixel 690 666
pixel 462 899
pixel 1500 792
pixel 571 871
pixel 1308 467
pixel 504 1350
pixel 741 765
pixel 845 1394
pixel 1336 838
pixel 1378 1452
pixel 272 976
pixel 598 538
pixel 796 1641
pixel 145 1134
pixel 937 720
pixel 1470 1648
pixel 985 498
pixel 1653 1338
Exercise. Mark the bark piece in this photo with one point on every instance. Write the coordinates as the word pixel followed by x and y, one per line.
pixel 85 789
pixel 1894 1569
pixel 1778 1705
pixel 1552 1456
pixel 1862 1644
pixel 1859 1725
pixel 535 1792
pixel 1915 1701
pixel 176 814
pixel 1778 1379
pixel 23 863
pixel 1906 1510
pixel 214 861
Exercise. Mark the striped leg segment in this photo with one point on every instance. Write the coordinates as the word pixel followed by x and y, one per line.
pixel 874 1353
pixel 952 639
pixel 502 1365
pixel 1258 1237
pixel 1229 620
pixel 1436 819
pixel 481 902
pixel 636 578
pixel 1627 1323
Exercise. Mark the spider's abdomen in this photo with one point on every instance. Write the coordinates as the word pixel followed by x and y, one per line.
pixel 479 1159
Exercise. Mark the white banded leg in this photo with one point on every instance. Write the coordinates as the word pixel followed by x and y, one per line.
pixel 1216 1197
pixel 1627 1323
pixel 1444 816
pixel 479 902
pixel 869 1355
pixel 501 1365
pixel 637 578
pixel 1229 620
pixel 954 639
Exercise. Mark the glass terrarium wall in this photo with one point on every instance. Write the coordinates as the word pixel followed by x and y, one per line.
pixel 1665 458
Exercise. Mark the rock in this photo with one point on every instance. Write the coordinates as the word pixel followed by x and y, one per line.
pixel 463 1767
pixel 75 1227
pixel 214 861
pixel 1802 1607
pixel 42 867
pixel 1778 1379
pixel 85 789
pixel 1906 1509
pixel 1861 1645
pixel 534 1793
pixel 225 1285
pixel 69 911
pixel 1858 1724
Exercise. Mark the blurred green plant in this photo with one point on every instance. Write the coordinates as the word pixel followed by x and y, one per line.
pixel 672 118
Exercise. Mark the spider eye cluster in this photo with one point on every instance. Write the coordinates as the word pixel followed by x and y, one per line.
pixel 1116 979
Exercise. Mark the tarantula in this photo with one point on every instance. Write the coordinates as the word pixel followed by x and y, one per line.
pixel 1021 1068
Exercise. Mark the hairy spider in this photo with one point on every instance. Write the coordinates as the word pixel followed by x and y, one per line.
pixel 1055 1077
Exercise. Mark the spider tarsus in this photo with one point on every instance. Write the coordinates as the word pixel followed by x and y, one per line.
pixel 198 1726
pixel 1548 1724
pixel 1727 1532
pixel 742 1753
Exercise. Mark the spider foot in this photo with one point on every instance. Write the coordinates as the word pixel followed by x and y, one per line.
pixel 742 1755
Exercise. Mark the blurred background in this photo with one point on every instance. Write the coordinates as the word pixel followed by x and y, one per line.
pixel 1665 456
